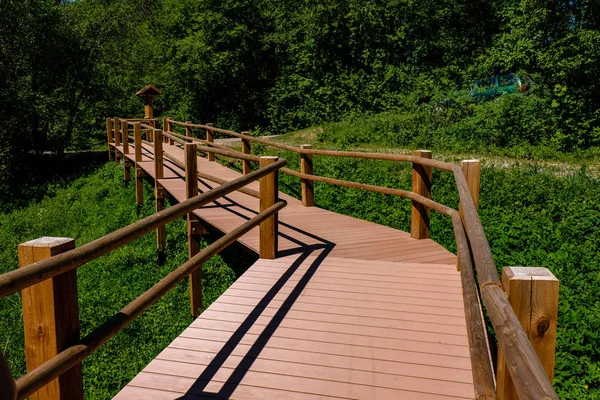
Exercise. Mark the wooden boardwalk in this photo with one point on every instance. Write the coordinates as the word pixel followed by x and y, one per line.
pixel 349 309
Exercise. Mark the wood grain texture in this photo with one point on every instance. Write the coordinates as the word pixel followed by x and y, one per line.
pixel 533 294
pixel 210 156
pixel 307 186
pixel 268 196
pixel 421 185
pixel 191 190
pixel 51 318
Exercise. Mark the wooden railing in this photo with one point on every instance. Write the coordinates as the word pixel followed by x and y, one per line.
pixel 48 281
pixel 520 373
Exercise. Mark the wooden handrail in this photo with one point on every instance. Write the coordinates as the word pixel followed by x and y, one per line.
pixel 371 188
pixel 21 278
pixel 481 365
pixel 198 140
pixel 34 380
pixel 529 377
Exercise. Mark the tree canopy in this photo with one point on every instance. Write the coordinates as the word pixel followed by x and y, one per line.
pixel 282 65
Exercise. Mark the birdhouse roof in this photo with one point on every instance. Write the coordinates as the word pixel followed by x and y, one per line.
pixel 149 90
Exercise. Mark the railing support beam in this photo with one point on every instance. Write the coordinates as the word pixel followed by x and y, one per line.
pixel 210 138
pixel 139 183
pixel 191 190
pixel 268 197
pixel 161 235
pixel 421 185
pixel 246 149
pixel 51 318
pixel 533 295
pixel 126 164
pixel 306 167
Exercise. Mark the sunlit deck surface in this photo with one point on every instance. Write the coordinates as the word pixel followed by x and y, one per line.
pixel 349 309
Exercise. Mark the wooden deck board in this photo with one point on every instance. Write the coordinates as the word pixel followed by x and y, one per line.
pixel 349 309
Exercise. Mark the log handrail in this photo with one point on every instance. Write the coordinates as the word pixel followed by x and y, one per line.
pixel 407 194
pixel 63 361
pixel 21 278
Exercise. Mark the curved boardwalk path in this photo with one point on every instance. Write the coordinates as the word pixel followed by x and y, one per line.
pixel 348 310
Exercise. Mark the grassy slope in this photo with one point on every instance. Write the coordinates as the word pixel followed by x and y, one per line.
pixel 87 209
pixel 533 214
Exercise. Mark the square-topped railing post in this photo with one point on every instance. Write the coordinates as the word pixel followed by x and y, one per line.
pixel 51 318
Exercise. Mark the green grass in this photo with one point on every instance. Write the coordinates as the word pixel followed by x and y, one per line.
pixel 86 209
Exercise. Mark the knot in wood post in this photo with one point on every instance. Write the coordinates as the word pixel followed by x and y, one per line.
pixel 533 295
pixel 268 197
pixel 421 185
pixel 210 138
pixel 51 318
pixel 246 167
pixel 306 167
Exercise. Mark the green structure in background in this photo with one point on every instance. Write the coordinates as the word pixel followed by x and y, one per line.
pixel 500 84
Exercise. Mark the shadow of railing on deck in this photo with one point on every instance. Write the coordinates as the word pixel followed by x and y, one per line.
pixel 198 388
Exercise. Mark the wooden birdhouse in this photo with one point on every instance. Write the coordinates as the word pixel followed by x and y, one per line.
pixel 147 93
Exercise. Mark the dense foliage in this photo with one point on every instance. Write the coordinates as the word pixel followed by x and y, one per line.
pixel 88 208
pixel 280 65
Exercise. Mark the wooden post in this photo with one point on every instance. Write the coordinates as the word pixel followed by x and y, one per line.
pixel 51 318
pixel 421 184
pixel 209 136
pixel 126 164
pixel 191 190
pixel 139 183
pixel 472 171
pixel 117 138
pixel 188 129
pixel 306 167
pixel 168 126
pixel 268 196
pixel 246 149
pixel 533 295
pixel 125 137
pixel 109 137
pixel 159 193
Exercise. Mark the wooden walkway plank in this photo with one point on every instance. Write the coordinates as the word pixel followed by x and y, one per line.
pixel 348 310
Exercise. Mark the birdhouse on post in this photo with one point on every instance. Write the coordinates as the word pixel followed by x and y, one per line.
pixel 147 93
